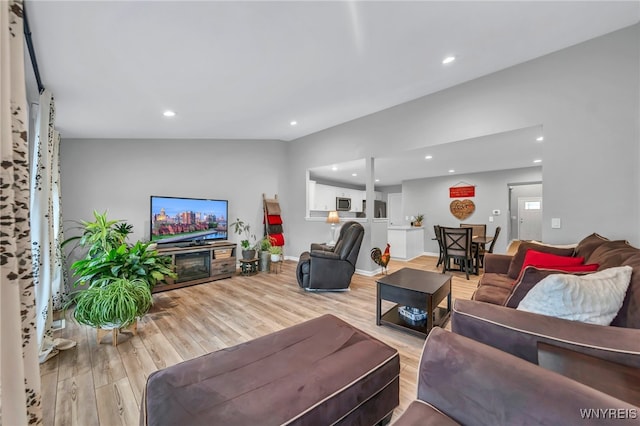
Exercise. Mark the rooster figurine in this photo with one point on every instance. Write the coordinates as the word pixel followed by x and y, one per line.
pixel 381 258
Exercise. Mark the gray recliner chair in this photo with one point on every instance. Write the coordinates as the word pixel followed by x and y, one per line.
pixel 327 268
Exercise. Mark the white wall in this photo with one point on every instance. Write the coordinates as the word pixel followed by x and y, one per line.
pixel 585 96
pixel 431 197
pixel 119 175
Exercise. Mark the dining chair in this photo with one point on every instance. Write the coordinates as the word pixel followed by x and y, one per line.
pixel 436 229
pixel 491 246
pixel 456 243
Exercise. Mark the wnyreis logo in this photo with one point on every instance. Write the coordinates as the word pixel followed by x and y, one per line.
pixel 609 413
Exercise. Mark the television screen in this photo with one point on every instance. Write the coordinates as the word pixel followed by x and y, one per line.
pixel 177 220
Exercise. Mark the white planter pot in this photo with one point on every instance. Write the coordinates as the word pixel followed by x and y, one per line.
pixel 275 258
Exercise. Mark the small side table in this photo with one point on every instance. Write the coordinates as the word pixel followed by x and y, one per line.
pixel 249 266
pixel 274 266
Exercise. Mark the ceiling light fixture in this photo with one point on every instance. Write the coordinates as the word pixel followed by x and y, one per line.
pixel 448 59
pixel 540 138
pixel 334 168
pixel 169 113
pixel 537 161
pixel 377 180
pixel 428 157
pixel 451 171
pixel 293 123
pixel 354 174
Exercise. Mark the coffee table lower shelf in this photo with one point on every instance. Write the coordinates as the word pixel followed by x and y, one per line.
pixel 393 319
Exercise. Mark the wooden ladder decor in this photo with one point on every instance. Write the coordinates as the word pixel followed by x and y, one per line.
pixel 273 220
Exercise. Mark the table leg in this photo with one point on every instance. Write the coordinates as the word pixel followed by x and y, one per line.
pixel 378 304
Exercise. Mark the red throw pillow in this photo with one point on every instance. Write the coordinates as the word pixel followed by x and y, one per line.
pixel 590 267
pixel 548 260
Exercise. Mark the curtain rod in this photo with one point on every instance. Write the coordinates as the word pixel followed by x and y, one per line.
pixel 32 53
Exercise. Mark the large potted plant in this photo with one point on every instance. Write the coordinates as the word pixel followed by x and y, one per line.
pixel 119 276
pixel 265 255
pixel 112 303
pixel 244 230
pixel 110 256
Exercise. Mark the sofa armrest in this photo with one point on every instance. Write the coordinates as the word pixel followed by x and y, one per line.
pixel 497 263
pixel 321 247
pixel 518 333
pixel 325 254
pixel 476 384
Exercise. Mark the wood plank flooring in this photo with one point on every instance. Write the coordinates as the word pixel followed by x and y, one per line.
pixel 99 384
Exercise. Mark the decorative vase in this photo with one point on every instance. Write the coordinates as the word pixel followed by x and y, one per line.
pixel 248 254
pixel 265 259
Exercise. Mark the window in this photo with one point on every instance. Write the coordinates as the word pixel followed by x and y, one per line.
pixel 532 205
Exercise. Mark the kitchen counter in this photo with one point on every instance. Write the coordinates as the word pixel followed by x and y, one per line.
pixel 407 242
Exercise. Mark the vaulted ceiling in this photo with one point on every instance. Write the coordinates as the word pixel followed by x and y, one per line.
pixel 246 70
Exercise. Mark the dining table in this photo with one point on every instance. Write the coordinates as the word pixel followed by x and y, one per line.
pixel 479 241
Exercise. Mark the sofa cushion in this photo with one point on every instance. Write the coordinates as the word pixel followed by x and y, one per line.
pixel 588 244
pixel 629 314
pixel 595 298
pixel 528 278
pixel 541 259
pixel 518 259
pixel 612 253
pixel 491 294
pixel 497 280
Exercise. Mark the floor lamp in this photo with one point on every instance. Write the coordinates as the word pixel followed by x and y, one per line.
pixel 333 218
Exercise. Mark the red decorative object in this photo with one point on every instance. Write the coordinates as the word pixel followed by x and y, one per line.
pixel 277 239
pixel 462 191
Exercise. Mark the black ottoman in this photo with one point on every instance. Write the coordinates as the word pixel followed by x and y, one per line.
pixel 319 372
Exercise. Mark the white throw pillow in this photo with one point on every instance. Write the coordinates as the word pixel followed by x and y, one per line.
pixel 595 298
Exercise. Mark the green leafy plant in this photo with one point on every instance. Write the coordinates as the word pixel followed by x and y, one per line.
pixel 128 262
pixel 419 218
pixel 110 256
pixel 115 302
pixel 275 250
pixel 265 243
pixel 101 235
pixel 244 229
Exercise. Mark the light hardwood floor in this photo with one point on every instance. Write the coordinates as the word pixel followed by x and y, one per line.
pixel 99 384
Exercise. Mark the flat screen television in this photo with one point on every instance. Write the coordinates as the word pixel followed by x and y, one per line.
pixel 188 220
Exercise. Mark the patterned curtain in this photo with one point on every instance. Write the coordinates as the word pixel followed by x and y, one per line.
pixel 46 230
pixel 20 399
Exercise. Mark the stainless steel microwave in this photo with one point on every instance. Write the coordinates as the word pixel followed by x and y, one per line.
pixel 343 204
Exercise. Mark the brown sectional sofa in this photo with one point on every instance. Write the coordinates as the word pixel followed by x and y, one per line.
pixel 461 381
pixel 491 318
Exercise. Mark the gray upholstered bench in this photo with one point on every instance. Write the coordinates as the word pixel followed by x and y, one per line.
pixel 319 372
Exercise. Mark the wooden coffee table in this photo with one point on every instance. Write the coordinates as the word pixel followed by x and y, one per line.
pixel 418 289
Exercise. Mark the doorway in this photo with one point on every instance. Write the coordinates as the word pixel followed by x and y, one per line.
pixel 525 211
pixel 394 209
pixel 530 218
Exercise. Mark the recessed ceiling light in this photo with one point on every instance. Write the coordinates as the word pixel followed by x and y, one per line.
pixel 451 171
pixel 537 161
pixel 540 138
pixel 334 168
pixel 354 174
pixel 448 59
pixel 169 113
pixel 293 123
pixel 428 157
pixel 377 180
